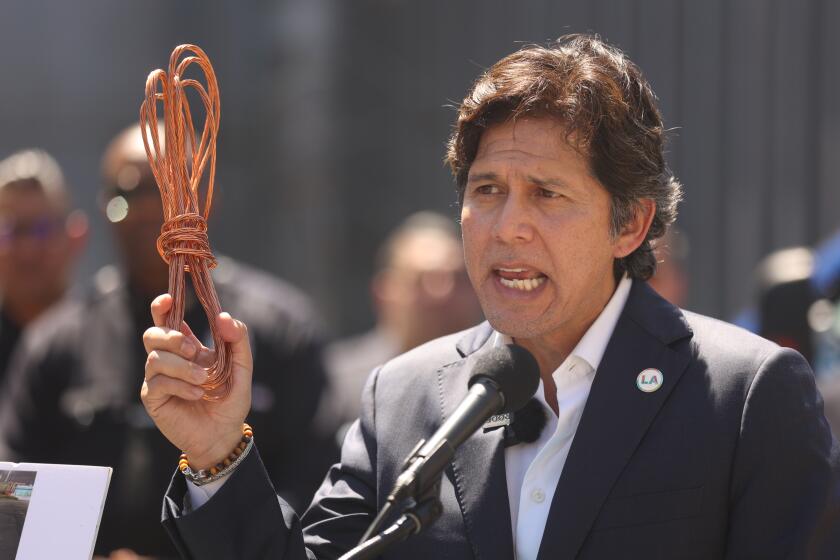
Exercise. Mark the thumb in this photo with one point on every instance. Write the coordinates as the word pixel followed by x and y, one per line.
pixel 236 333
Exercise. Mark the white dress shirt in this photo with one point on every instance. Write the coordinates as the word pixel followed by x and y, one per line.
pixel 533 469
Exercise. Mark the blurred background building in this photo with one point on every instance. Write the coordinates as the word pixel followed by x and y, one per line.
pixel 335 114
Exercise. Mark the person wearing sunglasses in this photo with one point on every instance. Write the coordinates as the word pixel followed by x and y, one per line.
pixel 40 241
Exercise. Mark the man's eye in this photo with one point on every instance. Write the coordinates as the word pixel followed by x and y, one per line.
pixel 486 189
pixel 547 193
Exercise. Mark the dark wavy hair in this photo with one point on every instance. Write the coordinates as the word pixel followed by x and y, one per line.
pixel 610 115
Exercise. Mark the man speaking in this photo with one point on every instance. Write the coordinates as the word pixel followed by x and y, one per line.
pixel 667 434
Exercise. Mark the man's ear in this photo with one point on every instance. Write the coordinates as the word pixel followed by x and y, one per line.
pixel 635 230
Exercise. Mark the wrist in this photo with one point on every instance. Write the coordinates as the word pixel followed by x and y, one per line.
pixel 201 475
pixel 218 452
pixel 221 470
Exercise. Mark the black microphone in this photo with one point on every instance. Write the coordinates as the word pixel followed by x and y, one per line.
pixel 527 424
pixel 504 379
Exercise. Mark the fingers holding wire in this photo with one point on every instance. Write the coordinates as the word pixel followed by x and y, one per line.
pixel 172 341
pixel 183 342
pixel 160 309
pixel 161 388
pixel 167 364
pixel 205 356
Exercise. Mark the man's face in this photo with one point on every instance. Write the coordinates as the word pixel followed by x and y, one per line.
pixel 35 256
pixel 536 228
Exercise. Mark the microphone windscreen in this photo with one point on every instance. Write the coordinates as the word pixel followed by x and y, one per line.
pixel 512 369
pixel 527 425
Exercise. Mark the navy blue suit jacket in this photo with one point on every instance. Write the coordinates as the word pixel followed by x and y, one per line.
pixel 730 458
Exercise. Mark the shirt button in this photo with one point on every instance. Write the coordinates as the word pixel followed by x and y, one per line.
pixel 538 496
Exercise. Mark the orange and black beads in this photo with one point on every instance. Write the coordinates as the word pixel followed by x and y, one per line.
pixel 247 435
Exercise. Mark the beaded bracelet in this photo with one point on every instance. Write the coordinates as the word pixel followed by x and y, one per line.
pixel 227 466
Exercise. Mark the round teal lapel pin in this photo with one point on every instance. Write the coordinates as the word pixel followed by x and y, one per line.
pixel 649 380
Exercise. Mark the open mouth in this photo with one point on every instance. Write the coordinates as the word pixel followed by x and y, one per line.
pixel 523 279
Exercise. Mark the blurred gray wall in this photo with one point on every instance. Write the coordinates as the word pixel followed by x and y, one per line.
pixel 335 114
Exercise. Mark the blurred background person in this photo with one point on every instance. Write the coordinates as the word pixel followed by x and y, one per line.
pixel 798 306
pixel 824 315
pixel 420 291
pixel 824 321
pixel 73 392
pixel 40 240
pixel 784 294
pixel 671 277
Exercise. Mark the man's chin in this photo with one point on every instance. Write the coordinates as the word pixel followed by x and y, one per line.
pixel 516 328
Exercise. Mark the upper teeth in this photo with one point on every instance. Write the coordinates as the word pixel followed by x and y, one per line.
pixel 526 284
pixel 512 269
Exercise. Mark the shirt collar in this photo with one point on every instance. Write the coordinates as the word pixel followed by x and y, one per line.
pixel 593 344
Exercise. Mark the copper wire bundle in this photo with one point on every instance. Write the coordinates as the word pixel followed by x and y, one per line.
pixel 178 166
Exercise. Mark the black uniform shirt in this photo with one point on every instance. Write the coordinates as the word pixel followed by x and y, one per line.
pixel 9 335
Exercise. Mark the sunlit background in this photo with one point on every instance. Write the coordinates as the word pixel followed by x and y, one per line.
pixel 335 114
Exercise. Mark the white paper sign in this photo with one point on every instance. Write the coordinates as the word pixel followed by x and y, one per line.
pixel 53 511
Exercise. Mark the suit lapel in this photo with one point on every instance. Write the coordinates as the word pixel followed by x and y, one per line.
pixel 616 416
pixel 478 467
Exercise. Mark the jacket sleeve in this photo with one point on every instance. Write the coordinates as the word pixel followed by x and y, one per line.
pixel 245 518
pixel 785 476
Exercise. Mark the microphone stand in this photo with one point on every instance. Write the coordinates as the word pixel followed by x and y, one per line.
pixel 412 521
pixel 422 472
pixel 420 479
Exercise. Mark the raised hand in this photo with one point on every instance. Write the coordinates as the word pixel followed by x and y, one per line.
pixel 205 430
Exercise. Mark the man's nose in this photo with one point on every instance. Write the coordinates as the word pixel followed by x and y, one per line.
pixel 514 222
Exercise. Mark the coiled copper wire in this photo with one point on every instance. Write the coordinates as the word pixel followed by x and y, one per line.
pixel 178 166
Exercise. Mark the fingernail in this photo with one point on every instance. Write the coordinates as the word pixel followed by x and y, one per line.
pixel 187 349
pixel 198 392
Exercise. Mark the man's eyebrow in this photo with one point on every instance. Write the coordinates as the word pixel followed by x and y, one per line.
pixel 539 181
pixel 486 176
pixel 547 181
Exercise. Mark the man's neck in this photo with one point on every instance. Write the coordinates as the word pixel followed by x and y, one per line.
pixel 551 350
pixel 549 357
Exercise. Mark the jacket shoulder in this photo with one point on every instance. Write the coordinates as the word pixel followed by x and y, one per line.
pixel 732 358
pixel 416 372
pixel 730 342
pixel 430 356
pixel 404 397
